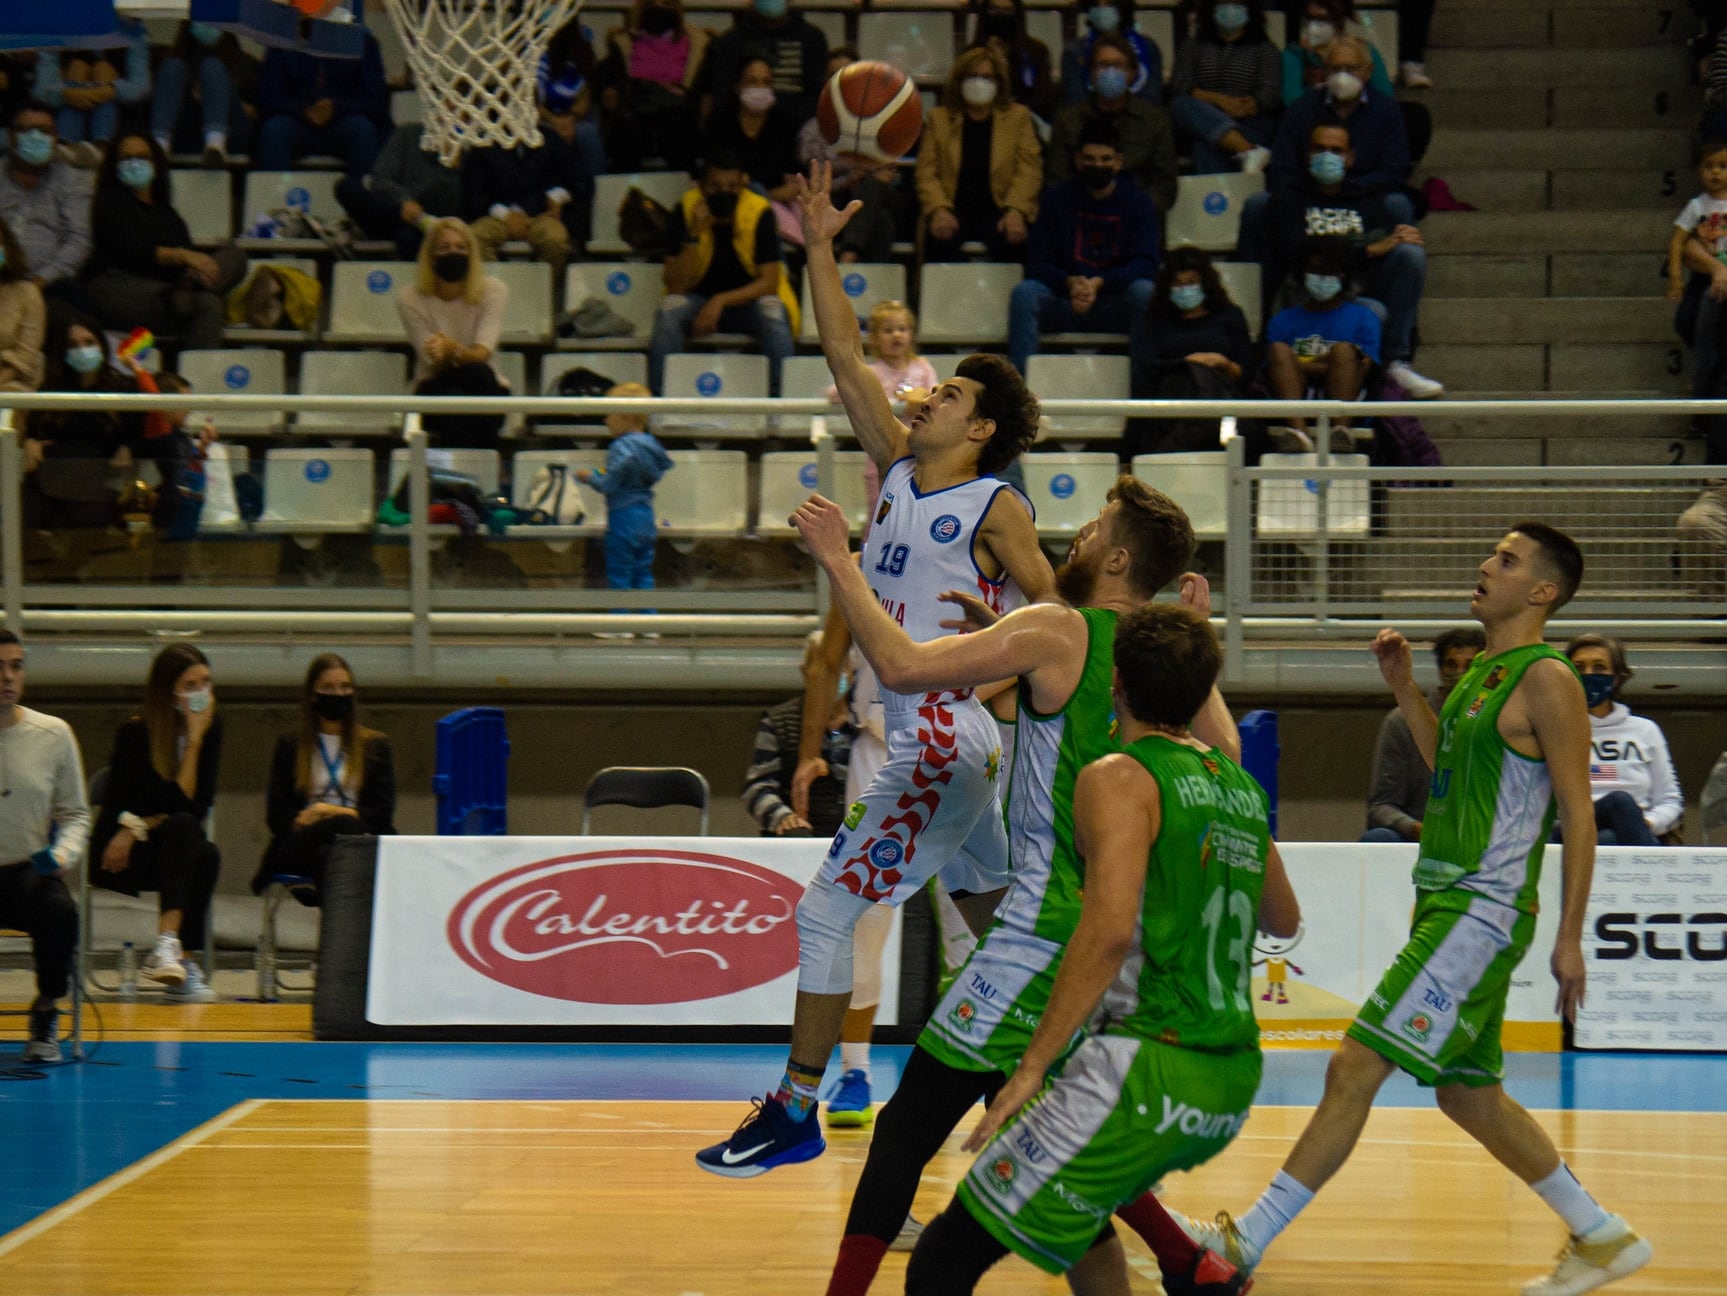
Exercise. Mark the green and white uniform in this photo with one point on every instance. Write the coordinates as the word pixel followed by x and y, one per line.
pixel 1167 1078
pixel 1438 1011
pixel 986 1018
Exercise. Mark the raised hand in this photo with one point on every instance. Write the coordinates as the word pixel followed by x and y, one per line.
pixel 1196 593
pixel 814 193
pixel 975 614
pixel 825 529
pixel 1391 650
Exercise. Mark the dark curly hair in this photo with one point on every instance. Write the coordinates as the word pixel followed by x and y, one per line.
pixel 1007 401
pixel 1178 261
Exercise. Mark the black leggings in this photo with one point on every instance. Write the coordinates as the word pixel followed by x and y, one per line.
pixel 955 1251
pixel 179 863
pixel 43 908
pixel 306 851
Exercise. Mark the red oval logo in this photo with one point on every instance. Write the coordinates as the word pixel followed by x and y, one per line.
pixel 630 927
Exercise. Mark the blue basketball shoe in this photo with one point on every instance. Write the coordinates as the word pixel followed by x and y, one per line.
pixel 850 1107
pixel 768 1138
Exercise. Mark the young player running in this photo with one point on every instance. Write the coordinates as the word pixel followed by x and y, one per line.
pixel 1179 873
pixel 1512 738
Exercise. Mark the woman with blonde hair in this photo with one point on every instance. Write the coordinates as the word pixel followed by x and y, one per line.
pixel 980 166
pixel 454 315
pixel 331 777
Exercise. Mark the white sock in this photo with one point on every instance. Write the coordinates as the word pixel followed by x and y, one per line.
pixel 1275 1210
pixel 855 1057
pixel 1571 1201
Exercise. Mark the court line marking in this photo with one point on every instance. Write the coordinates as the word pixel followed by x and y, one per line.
pixel 129 1175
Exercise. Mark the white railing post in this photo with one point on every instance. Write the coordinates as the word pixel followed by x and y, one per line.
pixel 1237 557
pixel 827 482
pixel 12 521
pixel 419 544
pixel 1322 522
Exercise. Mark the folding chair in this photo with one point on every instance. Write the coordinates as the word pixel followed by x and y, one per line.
pixel 789 477
pixel 311 492
pixel 706 494
pixel 866 285
pixel 1289 507
pixel 76 976
pixel 528 317
pixel 1198 481
pixel 720 377
pixel 206 198
pixel 1082 377
pixel 966 301
pixel 238 372
pixel 363 301
pixel 351 373
pixel 267 961
pixel 645 787
pixel 633 289
pixel 1067 490
pixel 1207 211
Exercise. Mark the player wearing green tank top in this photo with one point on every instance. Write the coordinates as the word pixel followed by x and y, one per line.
pixel 1179 874
pixel 1511 741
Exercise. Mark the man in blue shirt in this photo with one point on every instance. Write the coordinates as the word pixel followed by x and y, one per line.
pixel 1093 254
pixel 1329 342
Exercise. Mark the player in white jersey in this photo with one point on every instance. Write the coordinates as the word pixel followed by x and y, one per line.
pixel 941 524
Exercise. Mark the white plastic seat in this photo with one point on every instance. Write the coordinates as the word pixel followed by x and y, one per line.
pixel 633 289
pixel 966 301
pixel 719 377
pixel 1158 27
pixel 363 301
pixel 351 373
pixel 666 187
pixel 1082 377
pixel 866 285
pixel 706 493
pixel 1243 281
pixel 1207 211
pixel 251 372
pixel 918 43
pixel 528 316
pixel 1068 490
pixel 1289 508
pixel 619 366
pixel 808 378
pixel 206 200
pixel 242 334
pixel 315 491
pixel 481 465
pixel 789 477
pixel 1198 480
pixel 527 464
pixel 1276 27
pixel 1045 25
pixel 406 108
pixel 513 365
pixel 311 192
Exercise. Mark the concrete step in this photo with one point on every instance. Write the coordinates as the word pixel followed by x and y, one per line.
pixel 1549 232
pixel 1570 274
pixel 1509 108
pixel 1562 150
pixel 1630 105
pixel 1605 511
pixel 1650 366
pixel 1472 452
pixel 1495 191
pixel 1654 66
pixel 1568 452
pixel 1450 274
pixel 1502 27
pixel 1527 189
pixel 1521 369
pixel 1545 319
pixel 1587 26
pixel 1619 274
pixel 1508 428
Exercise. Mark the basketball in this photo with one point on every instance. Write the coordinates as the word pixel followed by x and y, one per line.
pixel 872 109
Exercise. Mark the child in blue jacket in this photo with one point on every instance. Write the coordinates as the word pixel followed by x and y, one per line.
pixel 634 462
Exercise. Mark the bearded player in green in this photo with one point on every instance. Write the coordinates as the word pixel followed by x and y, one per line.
pixel 1512 739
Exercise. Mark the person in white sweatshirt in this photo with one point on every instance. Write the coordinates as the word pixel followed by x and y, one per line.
pixel 1637 796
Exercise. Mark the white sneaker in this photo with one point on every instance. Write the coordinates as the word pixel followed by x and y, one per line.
pixel 1415 76
pixel 1254 161
pixel 909 1233
pixel 194 989
pixel 1222 1237
pixel 1593 1260
pixel 163 965
pixel 1419 386
pixel 1288 440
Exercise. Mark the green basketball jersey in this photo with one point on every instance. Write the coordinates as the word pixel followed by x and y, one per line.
pixel 1186 982
pixel 1490 809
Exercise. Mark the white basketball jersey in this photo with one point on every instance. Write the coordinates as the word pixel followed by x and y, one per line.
pixel 919 548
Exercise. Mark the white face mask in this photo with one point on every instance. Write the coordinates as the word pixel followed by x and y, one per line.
pixel 1344 85
pixel 978 91
pixel 1316 33
pixel 196 701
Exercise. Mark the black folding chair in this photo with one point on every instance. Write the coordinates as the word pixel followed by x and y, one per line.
pixel 646 787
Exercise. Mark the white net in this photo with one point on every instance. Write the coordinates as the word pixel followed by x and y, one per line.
pixel 476 64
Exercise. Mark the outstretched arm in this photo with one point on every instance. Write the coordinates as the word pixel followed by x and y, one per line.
pixel 1011 535
pixel 882 436
pixel 1397 666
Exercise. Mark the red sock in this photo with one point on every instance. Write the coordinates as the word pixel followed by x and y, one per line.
pixel 1174 1250
pixel 859 1258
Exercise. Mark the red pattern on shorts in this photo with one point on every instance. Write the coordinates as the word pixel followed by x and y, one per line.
pixel 916 806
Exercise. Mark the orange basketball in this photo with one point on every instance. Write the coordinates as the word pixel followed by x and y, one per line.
pixel 872 109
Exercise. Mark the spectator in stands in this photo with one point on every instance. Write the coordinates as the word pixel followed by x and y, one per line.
pixel 1388 261
pixel 1379 144
pixel 23 318
pixel 748 124
pixel 1112 18
pixel 635 462
pixel 1227 88
pixel 1414 21
pixel 332 777
pixel 1000 24
pixel 1697 244
pixel 980 166
pixel 44 825
pixel 1322 22
pixel 407 190
pixel 1702 535
pixel 322 105
pixel 1094 254
pixel 1147 140
pixel 1631 775
pixel 150 835
pixel 648 86
pixel 87 89
pixel 1198 347
pixel 206 85
pixel 796 49
pixel 1326 343
pixel 46 203
pixel 1715 96
pixel 72 456
pixel 566 72
pixel 1397 793
pixel 723 269
pixel 888 206
pixel 145 271
pixel 454 315
pixel 768 784
pixel 543 195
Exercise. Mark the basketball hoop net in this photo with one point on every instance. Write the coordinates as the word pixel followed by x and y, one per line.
pixel 476 64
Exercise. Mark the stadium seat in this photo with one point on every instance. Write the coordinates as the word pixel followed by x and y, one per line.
pixel 238 373
pixel 1243 281
pixel 1045 25
pixel 866 285
pixel 528 317
pixel 1158 27
pixel 720 377
pixel 1067 490
pixel 945 362
pixel 919 43
pixel 1197 480
pixel 1276 27
pixel 406 108
pixel 705 494
pixel 287 335
pixel 311 192
pixel 1082 377
pixel 363 301
pixel 808 378
pixel 1289 509
pixel 965 301
pixel 1207 211
pixel 789 478
pixel 315 491
pixel 351 373
pixel 206 200
pixel 645 788
pixel 513 365
pixel 1381 27
pixel 609 191
pixel 526 466
pixel 631 288
pixel 481 465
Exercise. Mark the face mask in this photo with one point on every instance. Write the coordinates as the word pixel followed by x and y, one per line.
pixel 1597 689
pixel 1109 82
pixel 722 206
pixel 451 267
pixel 1187 296
pixel 1318 33
pixel 978 91
pixel 757 98
pixel 771 9
pixel 1230 17
pixel 1344 85
pixel 84 359
pixel 1104 18
pixel 1327 168
pixel 1097 178
pixel 136 173
pixel 205 34
pixel 1323 287
pixel 196 701
pixel 34 148
pixel 333 706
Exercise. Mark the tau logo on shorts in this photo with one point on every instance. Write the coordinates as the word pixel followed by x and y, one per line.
pixel 1033 1150
pixel 963 1014
pixel 1418 1027
pixel 1436 1001
pixel 1002 1174
pixel 945 529
pixel 886 853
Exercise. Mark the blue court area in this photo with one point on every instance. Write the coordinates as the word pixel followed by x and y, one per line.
pixel 77 1124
